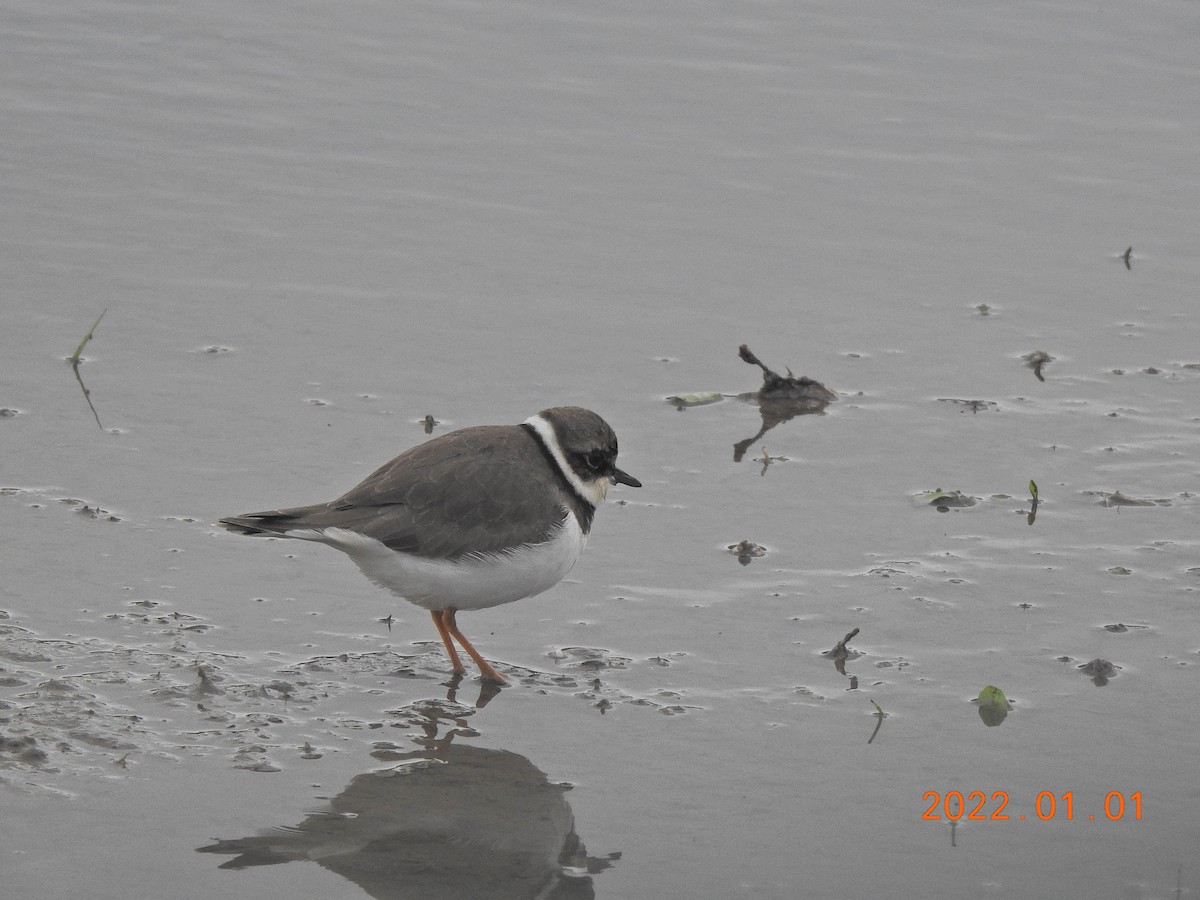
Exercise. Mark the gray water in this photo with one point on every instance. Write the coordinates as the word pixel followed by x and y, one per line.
pixel 310 225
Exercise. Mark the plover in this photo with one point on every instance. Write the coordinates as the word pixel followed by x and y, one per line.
pixel 472 519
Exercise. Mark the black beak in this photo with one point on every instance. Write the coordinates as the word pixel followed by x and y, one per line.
pixel 620 477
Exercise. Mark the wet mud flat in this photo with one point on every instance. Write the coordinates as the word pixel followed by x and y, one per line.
pixel 73 705
pixel 893 653
pixel 848 624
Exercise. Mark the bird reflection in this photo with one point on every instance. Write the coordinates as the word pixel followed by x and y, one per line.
pixel 444 823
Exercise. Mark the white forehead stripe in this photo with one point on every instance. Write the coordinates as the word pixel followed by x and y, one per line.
pixel 592 491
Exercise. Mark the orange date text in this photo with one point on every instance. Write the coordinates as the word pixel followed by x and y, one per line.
pixel 978 806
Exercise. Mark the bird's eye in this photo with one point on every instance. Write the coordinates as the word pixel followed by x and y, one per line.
pixel 594 460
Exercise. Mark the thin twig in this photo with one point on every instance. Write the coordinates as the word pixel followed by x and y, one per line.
pixel 74 360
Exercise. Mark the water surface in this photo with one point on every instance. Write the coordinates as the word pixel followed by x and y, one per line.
pixel 312 225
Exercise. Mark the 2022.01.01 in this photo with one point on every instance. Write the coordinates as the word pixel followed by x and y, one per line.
pixel 977 806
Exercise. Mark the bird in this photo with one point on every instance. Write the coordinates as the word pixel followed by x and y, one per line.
pixel 470 519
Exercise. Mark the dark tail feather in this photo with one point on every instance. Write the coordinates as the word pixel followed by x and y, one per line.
pixel 254 523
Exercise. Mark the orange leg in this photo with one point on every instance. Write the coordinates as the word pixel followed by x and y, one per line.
pixel 447 627
pixel 442 630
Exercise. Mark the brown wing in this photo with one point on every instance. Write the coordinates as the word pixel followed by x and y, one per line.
pixel 473 490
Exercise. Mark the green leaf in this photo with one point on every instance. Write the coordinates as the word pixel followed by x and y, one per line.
pixel 699 398
pixel 993 696
pixel 993 706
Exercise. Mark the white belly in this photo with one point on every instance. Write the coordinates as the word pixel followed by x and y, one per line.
pixel 470 583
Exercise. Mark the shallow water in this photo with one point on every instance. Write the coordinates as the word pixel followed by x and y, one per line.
pixel 311 226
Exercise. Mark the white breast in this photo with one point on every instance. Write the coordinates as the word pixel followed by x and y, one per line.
pixel 474 582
